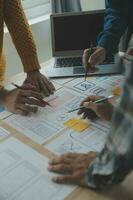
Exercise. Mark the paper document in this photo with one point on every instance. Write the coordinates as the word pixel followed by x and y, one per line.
pixel 66 144
pixel 92 139
pixel 4 113
pixel 43 125
pixel 101 86
pixel 62 81
pixel 24 175
pixel 3 133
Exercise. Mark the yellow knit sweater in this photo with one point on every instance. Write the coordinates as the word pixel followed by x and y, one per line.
pixel 11 12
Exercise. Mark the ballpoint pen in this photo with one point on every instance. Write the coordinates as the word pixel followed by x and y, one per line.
pixel 89 65
pixel 97 101
pixel 41 100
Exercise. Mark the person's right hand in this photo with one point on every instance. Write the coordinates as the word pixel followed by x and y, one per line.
pixel 96 58
pixel 23 102
pixel 92 110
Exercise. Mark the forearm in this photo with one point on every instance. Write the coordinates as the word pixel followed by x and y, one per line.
pixel 115 24
pixel 115 162
pixel 20 32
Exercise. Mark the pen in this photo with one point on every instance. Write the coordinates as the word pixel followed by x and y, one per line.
pixel 88 65
pixel 97 101
pixel 41 100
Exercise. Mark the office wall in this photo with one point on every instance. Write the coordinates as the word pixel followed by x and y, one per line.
pixel 92 4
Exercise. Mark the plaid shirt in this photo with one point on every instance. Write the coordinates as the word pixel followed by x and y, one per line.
pixel 115 162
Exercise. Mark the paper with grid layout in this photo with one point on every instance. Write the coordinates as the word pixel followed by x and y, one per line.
pixel 91 139
pixel 24 174
pixel 101 86
pixel 45 124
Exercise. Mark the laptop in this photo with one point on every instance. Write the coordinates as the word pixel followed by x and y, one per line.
pixel 71 33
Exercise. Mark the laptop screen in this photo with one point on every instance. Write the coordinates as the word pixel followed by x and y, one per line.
pixel 76 32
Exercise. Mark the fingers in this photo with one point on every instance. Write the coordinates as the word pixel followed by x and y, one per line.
pixel 91 105
pixel 46 87
pixel 49 85
pixel 73 165
pixel 30 93
pixel 31 101
pixel 19 112
pixel 41 83
pixel 96 58
pixel 26 102
pixel 90 110
pixel 85 115
pixel 67 179
pixel 86 56
pixel 77 177
pixel 25 109
pixel 28 87
pixel 60 168
pixel 88 99
pixel 65 158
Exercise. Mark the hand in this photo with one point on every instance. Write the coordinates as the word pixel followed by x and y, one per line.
pixel 21 102
pixel 130 51
pixel 102 110
pixel 73 166
pixel 41 83
pixel 96 58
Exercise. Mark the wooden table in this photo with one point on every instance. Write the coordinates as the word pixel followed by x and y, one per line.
pixel 122 192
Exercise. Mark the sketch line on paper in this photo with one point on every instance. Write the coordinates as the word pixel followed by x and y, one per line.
pixel 78 140
pixel 70 146
pixel 84 86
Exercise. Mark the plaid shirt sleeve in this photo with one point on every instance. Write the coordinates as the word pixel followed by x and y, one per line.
pixel 115 162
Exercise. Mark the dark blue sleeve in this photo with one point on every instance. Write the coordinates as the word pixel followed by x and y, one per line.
pixel 114 26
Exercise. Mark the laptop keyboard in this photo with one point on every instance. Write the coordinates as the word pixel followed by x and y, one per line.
pixel 77 61
pixel 68 62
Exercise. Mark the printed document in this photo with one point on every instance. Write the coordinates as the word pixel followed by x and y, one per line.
pixel 101 86
pixel 24 175
pixel 92 139
pixel 43 125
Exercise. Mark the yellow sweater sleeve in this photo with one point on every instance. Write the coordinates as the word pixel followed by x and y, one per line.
pixel 19 29
pixel 2 68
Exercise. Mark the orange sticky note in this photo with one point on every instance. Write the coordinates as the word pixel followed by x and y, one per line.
pixel 81 126
pixel 71 122
pixel 117 91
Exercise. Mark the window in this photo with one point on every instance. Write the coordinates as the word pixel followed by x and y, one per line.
pixel 36 8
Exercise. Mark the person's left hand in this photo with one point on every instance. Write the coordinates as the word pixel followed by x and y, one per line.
pixel 73 167
pixel 41 83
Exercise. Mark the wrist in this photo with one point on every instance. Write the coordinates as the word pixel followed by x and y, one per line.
pixel 33 71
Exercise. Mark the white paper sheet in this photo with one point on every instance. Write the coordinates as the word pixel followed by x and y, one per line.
pixel 3 133
pixel 101 86
pixel 24 175
pixel 92 139
pixel 62 81
pixel 48 121
pixel 4 113
pixel 66 144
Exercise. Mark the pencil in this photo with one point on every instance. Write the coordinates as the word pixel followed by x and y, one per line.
pixel 41 100
pixel 97 101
